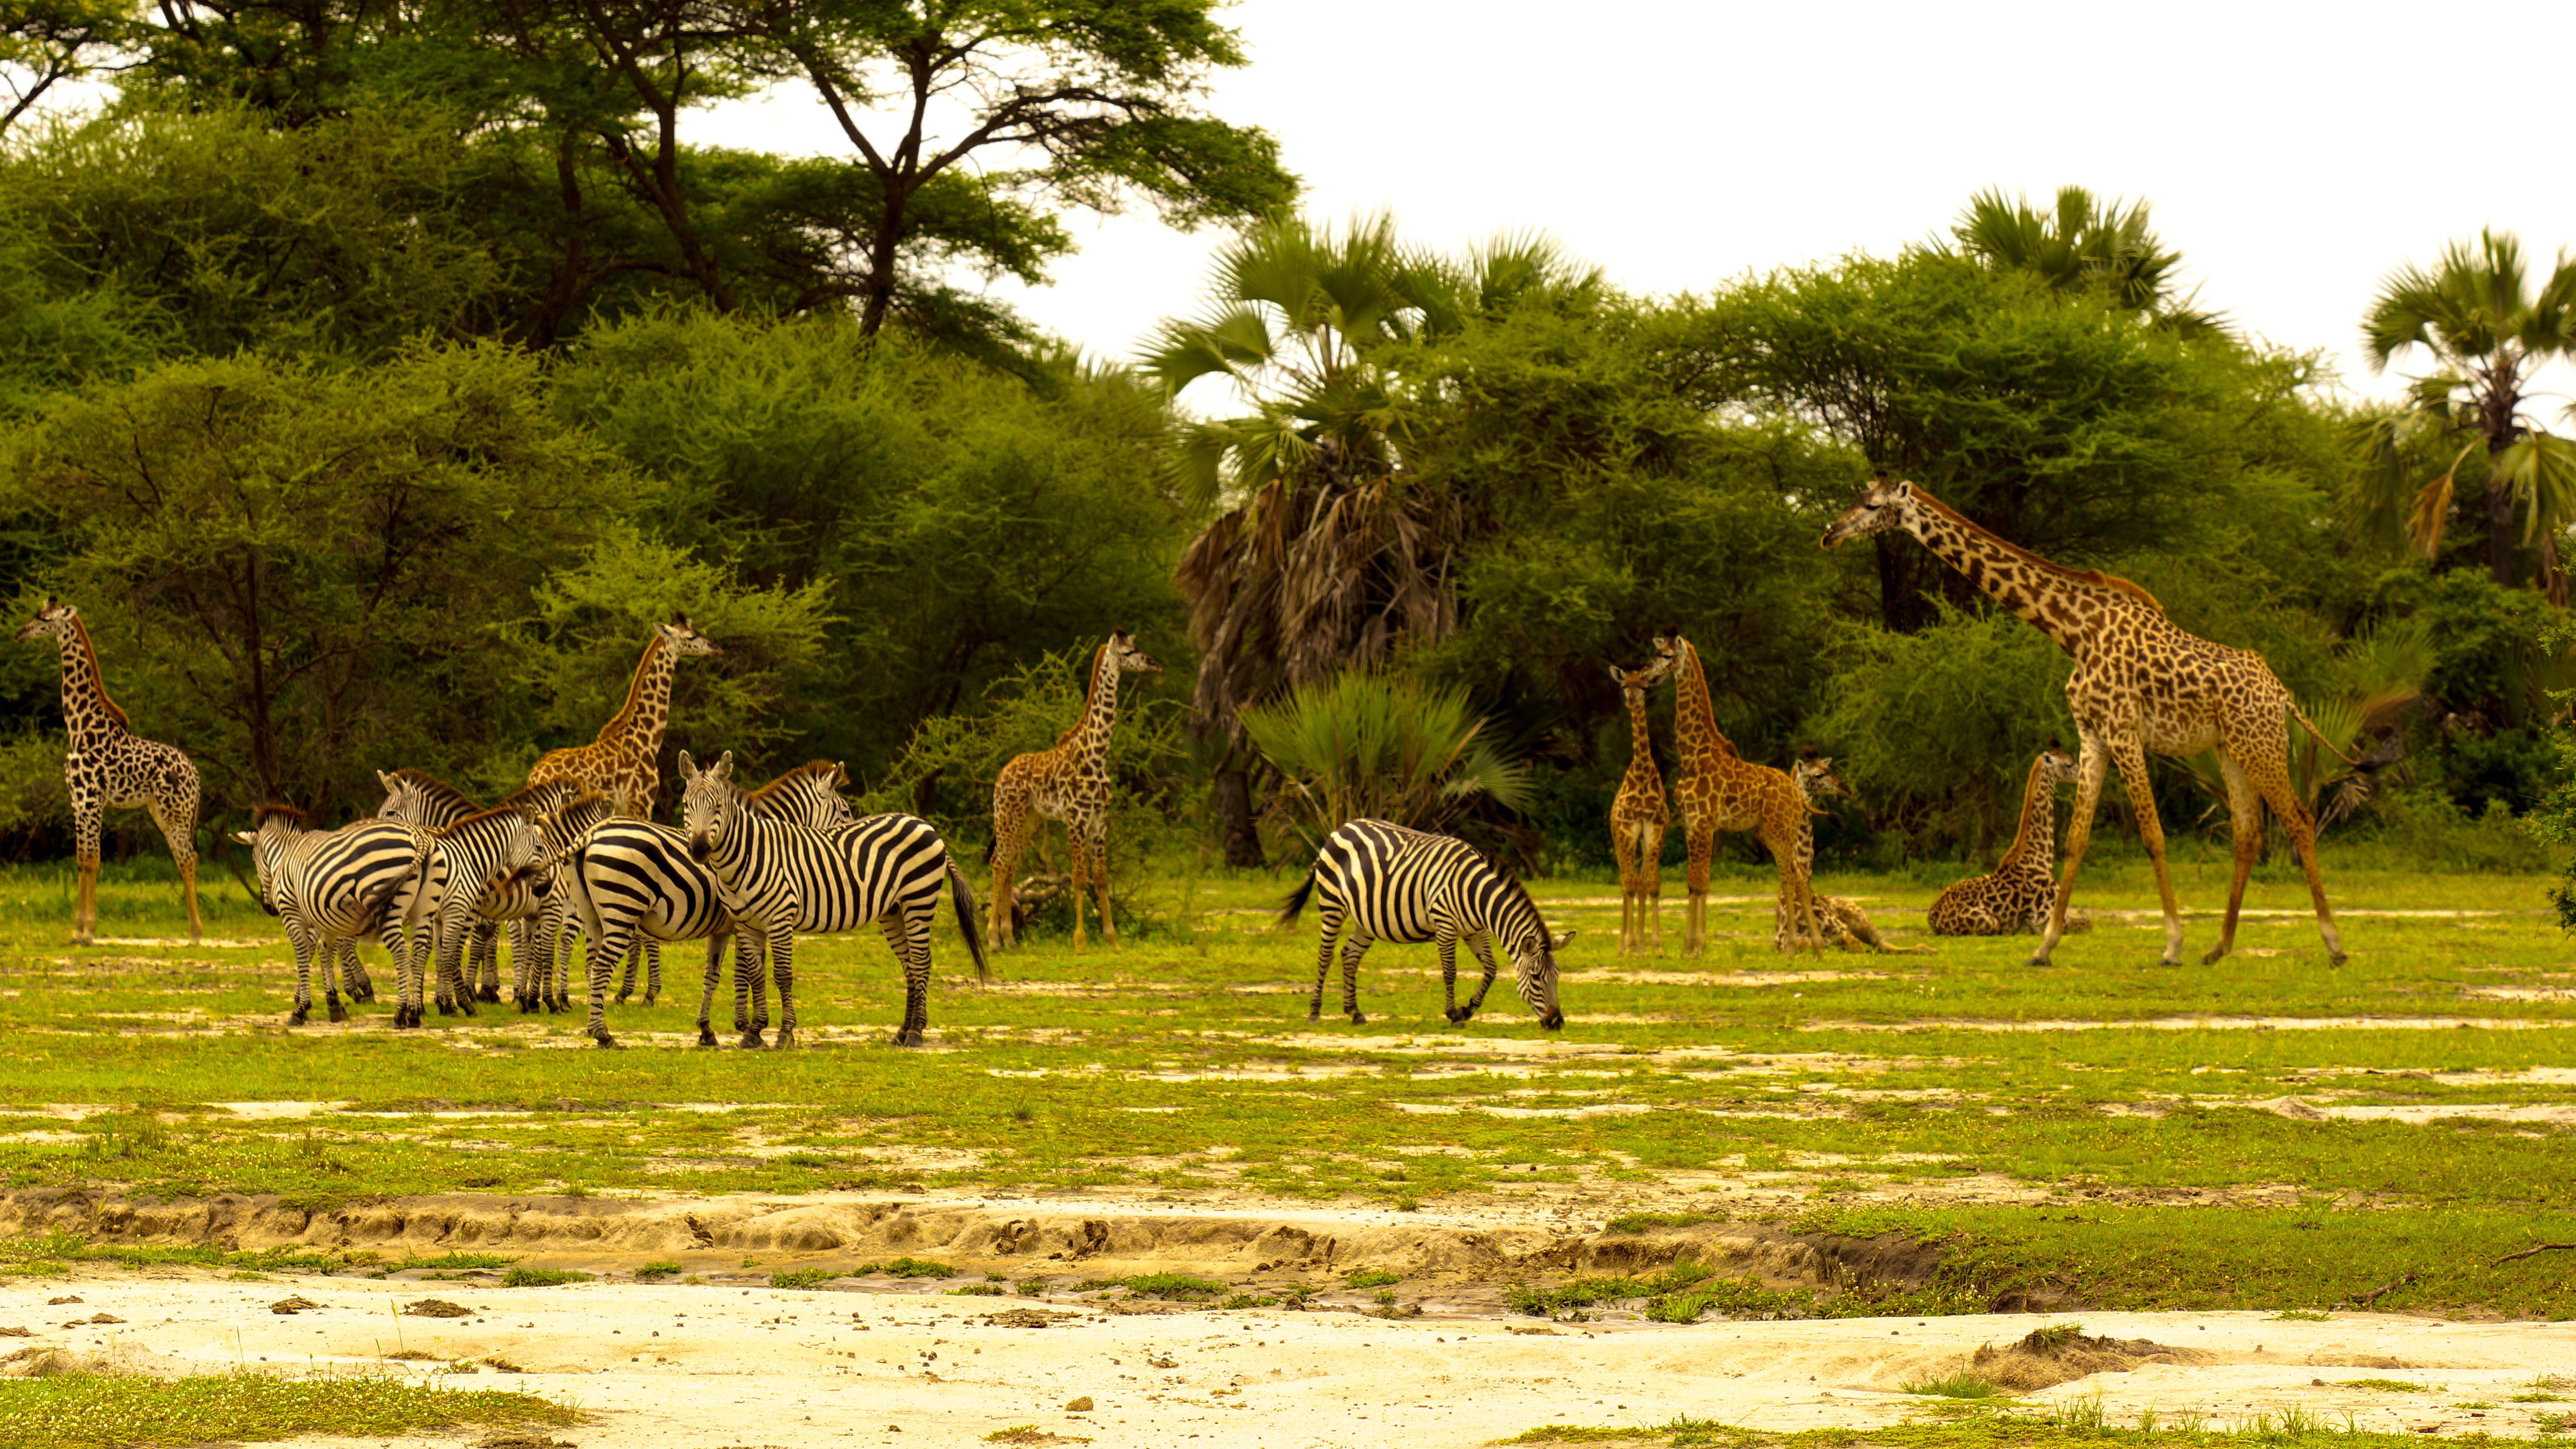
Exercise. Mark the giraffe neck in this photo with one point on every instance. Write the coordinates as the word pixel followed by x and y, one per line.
pixel 648 702
pixel 1695 730
pixel 89 716
pixel 2035 843
pixel 1641 760
pixel 1099 712
pixel 2068 605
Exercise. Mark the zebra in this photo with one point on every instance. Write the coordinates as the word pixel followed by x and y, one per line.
pixel 631 880
pixel 779 879
pixel 424 799
pixel 328 887
pixel 495 864
pixel 1385 881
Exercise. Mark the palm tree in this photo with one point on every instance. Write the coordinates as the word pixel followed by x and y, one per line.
pixel 2486 332
pixel 1328 552
pixel 2083 243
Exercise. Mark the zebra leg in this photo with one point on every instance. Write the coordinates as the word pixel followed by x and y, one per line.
pixel 750 985
pixel 485 974
pixel 299 937
pixel 1352 950
pixel 634 957
pixel 353 971
pixel 782 961
pixel 715 967
pixel 601 957
pixel 909 934
pixel 523 954
pixel 652 970
pixel 1482 943
pixel 1448 947
pixel 1331 920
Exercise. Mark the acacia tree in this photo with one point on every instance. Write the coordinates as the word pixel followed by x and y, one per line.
pixel 46 42
pixel 2486 330
pixel 1079 103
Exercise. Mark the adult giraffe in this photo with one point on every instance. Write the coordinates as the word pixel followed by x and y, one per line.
pixel 2139 683
pixel 625 762
pixel 1069 782
pixel 110 765
pixel 1721 790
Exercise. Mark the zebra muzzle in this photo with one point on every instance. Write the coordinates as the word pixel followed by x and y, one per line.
pixel 699 849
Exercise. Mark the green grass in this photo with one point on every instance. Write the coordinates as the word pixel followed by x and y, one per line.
pixel 1183 1064
pixel 803 1278
pixel 905 1268
pixel 1953 1386
pixel 62 1411
pixel 542 1277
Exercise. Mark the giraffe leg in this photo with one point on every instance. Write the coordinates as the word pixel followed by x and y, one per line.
pixel 2245 821
pixel 2079 833
pixel 1352 949
pixel 1010 836
pixel 1622 842
pixel 1794 925
pixel 178 822
pixel 1695 923
pixel 2271 776
pixel 2151 830
pixel 1077 881
pixel 1100 880
pixel 1650 853
pixel 86 807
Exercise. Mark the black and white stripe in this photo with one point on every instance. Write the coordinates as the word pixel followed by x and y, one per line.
pixel 1378 881
pixel 780 879
pixel 329 887
pixel 534 916
pixel 494 863
pixel 630 881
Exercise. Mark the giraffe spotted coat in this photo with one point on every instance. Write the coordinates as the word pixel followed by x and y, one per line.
pixel 1721 790
pixel 2014 898
pixel 1639 815
pixel 625 762
pixel 1069 782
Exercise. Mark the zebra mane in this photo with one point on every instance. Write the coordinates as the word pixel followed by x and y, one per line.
pixel 1514 890
pixel 274 811
pixel 832 768
pixel 430 784
pixel 518 809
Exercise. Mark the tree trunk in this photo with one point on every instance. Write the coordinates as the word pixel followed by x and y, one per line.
pixel 1234 815
pixel 2500 531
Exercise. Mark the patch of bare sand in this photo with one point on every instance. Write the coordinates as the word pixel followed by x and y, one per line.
pixel 676 1367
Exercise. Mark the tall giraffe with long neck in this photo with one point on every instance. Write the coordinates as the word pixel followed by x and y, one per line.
pixel 1639 815
pixel 109 765
pixel 1721 790
pixel 2139 684
pixel 1069 783
pixel 625 762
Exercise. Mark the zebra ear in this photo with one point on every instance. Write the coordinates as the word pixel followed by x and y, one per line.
pixel 688 767
pixel 245 837
pixel 1557 943
pixel 722 769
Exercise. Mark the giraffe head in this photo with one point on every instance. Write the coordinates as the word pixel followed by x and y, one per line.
pixel 1131 660
pixel 1881 506
pixel 710 807
pixel 53 621
pixel 2056 767
pixel 1670 650
pixel 1815 776
pixel 1634 682
pixel 678 637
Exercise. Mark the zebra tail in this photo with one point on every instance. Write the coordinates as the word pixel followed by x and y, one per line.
pixel 964 896
pixel 1291 908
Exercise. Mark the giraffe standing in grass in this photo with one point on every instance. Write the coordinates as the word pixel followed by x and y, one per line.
pixel 109 765
pixel 2015 897
pixel 1069 783
pixel 1721 790
pixel 2139 684
pixel 1639 815
pixel 625 762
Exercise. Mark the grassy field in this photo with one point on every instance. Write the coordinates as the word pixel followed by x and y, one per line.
pixel 2266 1132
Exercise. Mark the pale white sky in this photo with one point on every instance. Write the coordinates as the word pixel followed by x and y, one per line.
pixel 2294 153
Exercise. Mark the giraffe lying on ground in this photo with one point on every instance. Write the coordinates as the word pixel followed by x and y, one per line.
pixel 1638 818
pixel 110 766
pixel 2016 895
pixel 2140 684
pixel 1069 783
pixel 1845 924
pixel 1721 790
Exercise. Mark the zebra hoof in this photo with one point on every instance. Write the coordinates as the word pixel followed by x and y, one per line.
pixel 296 1017
pixel 606 1041
pixel 907 1038
pixel 559 1005
pixel 1313 1017
pixel 488 993
pixel 2337 959
pixel 786 1040
pixel 1457 1014
pixel 706 1038
pixel 648 999
pixel 751 1041
pixel 364 994
pixel 1359 1018
pixel 339 1012
pixel 621 998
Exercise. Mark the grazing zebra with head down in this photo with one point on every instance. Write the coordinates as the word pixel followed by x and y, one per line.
pixel 330 886
pixel 631 880
pixel 1384 881
pixel 779 879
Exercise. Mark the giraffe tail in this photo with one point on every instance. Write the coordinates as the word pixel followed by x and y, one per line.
pixel 1295 906
pixel 963 895
pixel 2328 745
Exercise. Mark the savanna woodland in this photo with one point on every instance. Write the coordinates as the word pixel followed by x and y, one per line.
pixel 375 379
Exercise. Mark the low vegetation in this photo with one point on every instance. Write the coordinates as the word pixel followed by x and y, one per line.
pixel 78 1410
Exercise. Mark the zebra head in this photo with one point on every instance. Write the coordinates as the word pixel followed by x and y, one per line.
pixel 53 621
pixel 709 807
pixel 404 799
pixel 1534 976
pixel 273 830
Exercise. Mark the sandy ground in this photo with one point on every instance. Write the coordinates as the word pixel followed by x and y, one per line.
pixel 705 1367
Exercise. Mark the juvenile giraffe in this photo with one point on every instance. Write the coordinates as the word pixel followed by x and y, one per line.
pixel 1069 783
pixel 2014 898
pixel 1639 815
pixel 626 760
pixel 2139 684
pixel 1846 925
pixel 1721 790
pixel 109 765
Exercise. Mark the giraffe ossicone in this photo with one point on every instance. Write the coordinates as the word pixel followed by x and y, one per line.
pixel 2140 683
pixel 109 766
